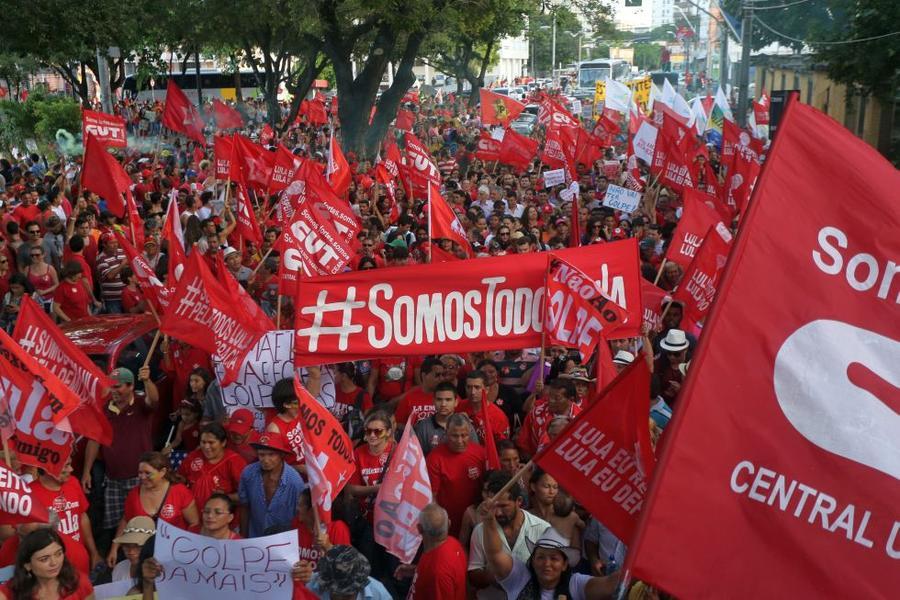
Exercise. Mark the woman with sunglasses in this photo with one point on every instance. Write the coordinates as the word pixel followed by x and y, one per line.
pixel 42 277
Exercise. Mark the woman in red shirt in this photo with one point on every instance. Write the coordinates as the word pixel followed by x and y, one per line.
pixel 158 495
pixel 371 458
pixel 43 571
pixel 71 299
pixel 132 298
pixel 212 468
pixel 218 518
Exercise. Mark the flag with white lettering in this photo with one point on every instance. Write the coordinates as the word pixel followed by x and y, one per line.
pixel 577 312
pixel 604 457
pixel 405 491
pixel 327 449
pixel 784 454
pixel 17 504
pixel 696 219
pixel 697 288
pixel 108 129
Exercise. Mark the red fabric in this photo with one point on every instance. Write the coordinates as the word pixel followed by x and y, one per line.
pixel 69 502
pixel 205 478
pixel 441 573
pixel 497 109
pixel 172 510
pixel 251 163
pixel 131 298
pixel 520 272
pixel 12 487
pixel 102 173
pixel 443 223
pixel 420 169
pixel 328 447
pixel 492 459
pixel 497 422
pixel 652 299
pixel 109 129
pixel 267 135
pixel 338 534
pixel 697 288
pixel 418 403
pixel 226 116
pixel 368 472
pixel 84 588
pixel 488 148
pixel 338 172
pixel 291 435
pixel 146 278
pixel 696 218
pixel 223 149
pixel 517 150
pixel 805 395
pixel 73 299
pixel 182 116
pixel 405 120
pixel 283 169
pixel 456 479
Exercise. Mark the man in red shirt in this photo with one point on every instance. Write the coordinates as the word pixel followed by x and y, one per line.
pixel 456 470
pixel 441 572
pixel 476 390
pixel 27 211
pixel 419 401
pixel 560 402
pixel 241 434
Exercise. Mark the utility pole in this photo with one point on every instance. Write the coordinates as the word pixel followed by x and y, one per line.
pixel 723 60
pixel 553 51
pixel 746 41
pixel 103 83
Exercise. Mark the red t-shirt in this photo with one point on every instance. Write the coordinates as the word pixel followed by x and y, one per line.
pixel 292 436
pixel 441 573
pixel 75 552
pixel 73 299
pixel 172 510
pixel 418 403
pixel 388 389
pixel 368 471
pixel 86 270
pixel 183 361
pixel 344 401
pixel 69 502
pixel 456 479
pixel 338 534
pixel 84 590
pixel 498 418
pixel 204 477
pixel 24 214
pixel 131 298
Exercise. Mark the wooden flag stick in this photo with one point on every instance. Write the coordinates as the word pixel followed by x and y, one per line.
pixel 662 265
pixel 278 313
pixel 261 261
pixel 152 347
pixel 512 481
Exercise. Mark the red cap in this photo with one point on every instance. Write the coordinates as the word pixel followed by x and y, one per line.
pixel 270 442
pixel 240 422
pixel 146 173
pixel 107 237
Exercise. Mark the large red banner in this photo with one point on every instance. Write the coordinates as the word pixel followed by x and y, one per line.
pixel 783 458
pixel 460 306
pixel 108 129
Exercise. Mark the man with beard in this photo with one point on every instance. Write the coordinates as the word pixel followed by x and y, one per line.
pixel 518 528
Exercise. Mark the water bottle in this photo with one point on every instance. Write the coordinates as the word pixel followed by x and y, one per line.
pixel 611 566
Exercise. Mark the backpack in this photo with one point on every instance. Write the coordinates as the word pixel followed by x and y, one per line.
pixel 353 421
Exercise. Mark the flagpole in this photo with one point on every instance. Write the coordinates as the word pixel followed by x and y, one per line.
pixel 543 357
pixel 515 478
pixel 430 236
pixel 278 312
pixel 659 273
pixel 152 346
pixel 261 261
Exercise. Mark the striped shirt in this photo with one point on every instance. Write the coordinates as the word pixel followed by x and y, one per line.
pixel 111 285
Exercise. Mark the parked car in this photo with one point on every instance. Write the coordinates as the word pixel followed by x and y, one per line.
pixel 524 123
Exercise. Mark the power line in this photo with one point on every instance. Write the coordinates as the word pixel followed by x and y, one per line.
pixel 755 6
pixel 816 43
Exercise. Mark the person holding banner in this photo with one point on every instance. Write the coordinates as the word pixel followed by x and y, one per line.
pixel 285 425
pixel 218 517
pixel 43 571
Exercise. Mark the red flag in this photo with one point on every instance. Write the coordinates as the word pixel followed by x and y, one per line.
pixel 223 150
pixel 405 120
pixel 251 163
pixel 40 404
pixel 102 173
pixel 440 256
pixel 327 449
pixel 559 153
pixel 286 164
pixel 671 158
pixel 338 173
pixel 442 221
pixel 247 225
pixel 497 109
pixel 108 129
pixel 588 148
pixel 237 292
pixel 18 504
pixel 604 457
pixel 175 236
pixel 761 109
pixel 652 299
pixel 491 458
pixel 698 285
pixel 410 96
pixel 267 135
pixel 552 115
pixel 605 369
pixel 226 116
pixel 310 246
pixel 153 289
pixel 517 150
pixel 577 314
pixel 741 177
pixel 203 314
pixel 384 177
pixel 422 170
pixel 42 339
pixel 135 222
pixel 796 469
pixel 182 116
pixel 405 491
pixel 314 111
pixel 309 184
pixel 696 219
pixel 488 148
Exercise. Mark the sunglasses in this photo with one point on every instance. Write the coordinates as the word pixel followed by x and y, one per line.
pixel 36 255
pixel 375 432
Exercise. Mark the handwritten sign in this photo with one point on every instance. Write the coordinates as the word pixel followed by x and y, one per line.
pixel 195 566
pixel 116 589
pixel 271 360
pixel 554 177
pixel 621 198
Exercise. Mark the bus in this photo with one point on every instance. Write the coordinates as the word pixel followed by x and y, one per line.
pixel 215 84
pixel 592 71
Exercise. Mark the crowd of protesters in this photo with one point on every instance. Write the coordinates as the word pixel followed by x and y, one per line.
pixel 219 476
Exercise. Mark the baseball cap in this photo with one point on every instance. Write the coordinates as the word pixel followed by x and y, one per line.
pixel 122 375
pixel 240 422
pixel 397 243
pixel 269 442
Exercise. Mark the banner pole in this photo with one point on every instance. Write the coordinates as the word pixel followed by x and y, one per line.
pixel 261 261
pixel 659 272
pixel 152 347
pixel 278 313
pixel 512 481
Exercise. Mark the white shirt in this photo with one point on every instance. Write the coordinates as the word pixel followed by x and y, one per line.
pixel 532 529
pixel 517 579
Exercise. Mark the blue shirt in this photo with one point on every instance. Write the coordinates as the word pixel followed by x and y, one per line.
pixel 374 590
pixel 280 510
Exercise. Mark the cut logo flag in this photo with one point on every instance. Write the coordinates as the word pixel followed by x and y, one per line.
pixel 204 314
pixel 442 221
pixel 697 288
pixel 497 109
pixel 488 148
pixel 786 460
pixel 578 314
pixel 182 116
pixel 405 491
pixel 327 449
pixel 422 171
pixel 101 173
pixel 226 116
pixel 43 340
pixel 108 129
pixel 604 457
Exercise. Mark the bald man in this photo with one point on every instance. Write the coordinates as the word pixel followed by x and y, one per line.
pixel 441 572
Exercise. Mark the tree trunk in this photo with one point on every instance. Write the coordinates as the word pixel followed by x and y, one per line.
pixel 478 83
pixel 199 83
pixel 301 88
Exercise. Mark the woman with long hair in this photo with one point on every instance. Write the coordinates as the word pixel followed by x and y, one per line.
pixel 42 276
pixel 43 571
pixel 158 495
